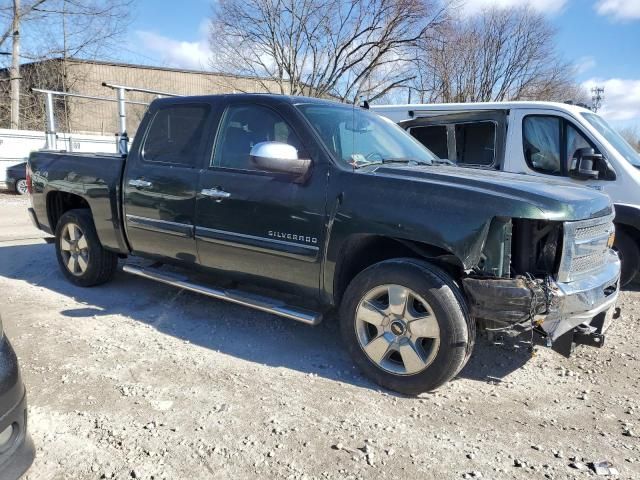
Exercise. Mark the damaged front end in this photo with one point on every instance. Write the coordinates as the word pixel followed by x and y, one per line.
pixel 558 279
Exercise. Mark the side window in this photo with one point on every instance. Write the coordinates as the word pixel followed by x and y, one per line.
pixel 476 143
pixel 433 137
pixel 575 141
pixel 541 143
pixel 243 126
pixel 175 135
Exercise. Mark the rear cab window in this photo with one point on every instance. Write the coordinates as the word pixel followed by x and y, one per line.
pixel 175 135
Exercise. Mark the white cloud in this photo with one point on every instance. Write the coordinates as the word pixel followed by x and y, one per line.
pixel 584 64
pixel 178 53
pixel 621 98
pixel 619 9
pixel 544 6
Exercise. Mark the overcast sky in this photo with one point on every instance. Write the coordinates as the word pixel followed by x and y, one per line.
pixel 601 36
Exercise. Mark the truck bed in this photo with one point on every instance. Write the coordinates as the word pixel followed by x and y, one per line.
pixel 90 179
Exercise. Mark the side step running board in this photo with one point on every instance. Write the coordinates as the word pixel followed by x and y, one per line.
pixel 259 303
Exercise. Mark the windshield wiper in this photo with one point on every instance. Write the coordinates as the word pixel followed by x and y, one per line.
pixel 443 161
pixel 389 160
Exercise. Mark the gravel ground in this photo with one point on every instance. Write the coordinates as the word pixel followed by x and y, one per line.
pixel 134 379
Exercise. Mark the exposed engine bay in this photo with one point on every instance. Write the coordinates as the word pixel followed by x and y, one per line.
pixel 516 284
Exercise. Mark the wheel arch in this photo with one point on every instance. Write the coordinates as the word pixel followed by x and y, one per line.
pixel 360 251
pixel 628 217
pixel 107 219
pixel 59 202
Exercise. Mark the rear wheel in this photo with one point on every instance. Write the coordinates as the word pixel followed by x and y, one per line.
pixel 21 187
pixel 405 325
pixel 80 254
pixel 629 254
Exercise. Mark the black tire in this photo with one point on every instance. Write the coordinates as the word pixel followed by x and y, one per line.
pixel 629 252
pixel 21 186
pixel 100 264
pixel 456 328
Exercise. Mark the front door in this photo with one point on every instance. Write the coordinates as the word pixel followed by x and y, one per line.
pixel 549 145
pixel 160 182
pixel 257 223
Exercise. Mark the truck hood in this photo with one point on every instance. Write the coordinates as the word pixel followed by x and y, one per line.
pixel 555 200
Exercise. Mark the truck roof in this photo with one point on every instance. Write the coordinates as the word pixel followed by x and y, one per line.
pixel 249 97
pixel 481 106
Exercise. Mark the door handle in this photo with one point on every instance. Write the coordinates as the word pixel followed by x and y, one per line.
pixel 214 193
pixel 138 183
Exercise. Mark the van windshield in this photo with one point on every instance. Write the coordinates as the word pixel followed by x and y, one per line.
pixel 614 138
pixel 359 138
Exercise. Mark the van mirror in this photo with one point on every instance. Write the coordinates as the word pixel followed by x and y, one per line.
pixel 279 157
pixel 586 164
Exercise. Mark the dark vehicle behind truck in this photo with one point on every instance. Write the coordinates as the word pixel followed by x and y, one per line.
pixel 16 447
pixel 16 179
pixel 302 207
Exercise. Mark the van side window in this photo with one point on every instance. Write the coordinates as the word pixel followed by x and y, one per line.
pixel 541 143
pixel 476 143
pixel 243 126
pixel 433 137
pixel 175 134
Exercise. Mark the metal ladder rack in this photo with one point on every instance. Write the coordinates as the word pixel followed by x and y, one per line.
pixel 123 138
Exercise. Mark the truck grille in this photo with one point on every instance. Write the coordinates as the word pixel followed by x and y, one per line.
pixel 584 247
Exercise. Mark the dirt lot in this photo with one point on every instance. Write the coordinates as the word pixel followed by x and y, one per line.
pixel 138 380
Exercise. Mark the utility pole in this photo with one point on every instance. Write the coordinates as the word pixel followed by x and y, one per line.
pixel 596 98
pixel 15 67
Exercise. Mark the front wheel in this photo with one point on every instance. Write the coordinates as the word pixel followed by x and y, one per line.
pixel 405 325
pixel 81 256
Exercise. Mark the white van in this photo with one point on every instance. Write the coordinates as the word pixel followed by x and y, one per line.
pixel 538 138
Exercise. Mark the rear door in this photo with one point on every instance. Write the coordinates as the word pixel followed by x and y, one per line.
pixel 160 180
pixel 258 224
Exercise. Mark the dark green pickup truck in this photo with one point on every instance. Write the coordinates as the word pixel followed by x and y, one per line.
pixel 301 207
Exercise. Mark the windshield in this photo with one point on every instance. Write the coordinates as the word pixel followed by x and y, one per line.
pixel 614 138
pixel 358 137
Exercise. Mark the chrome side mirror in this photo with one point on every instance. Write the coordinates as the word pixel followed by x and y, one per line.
pixel 279 157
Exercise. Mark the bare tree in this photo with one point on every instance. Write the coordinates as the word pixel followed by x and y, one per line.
pixel 62 30
pixel 500 54
pixel 15 66
pixel 14 12
pixel 631 135
pixel 341 48
pixel 9 12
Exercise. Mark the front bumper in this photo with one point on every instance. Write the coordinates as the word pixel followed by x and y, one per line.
pixel 556 308
pixel 581 301
pixel 16 451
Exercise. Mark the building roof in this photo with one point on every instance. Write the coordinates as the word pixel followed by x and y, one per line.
pixel 139 66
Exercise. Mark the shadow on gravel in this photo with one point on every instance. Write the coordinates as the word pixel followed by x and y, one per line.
pixel 634 286
pixel 227 328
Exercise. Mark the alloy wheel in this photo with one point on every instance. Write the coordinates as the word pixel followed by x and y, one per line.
pixel 397 329
pixel 74 249
pixel 21 187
